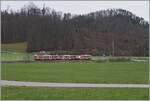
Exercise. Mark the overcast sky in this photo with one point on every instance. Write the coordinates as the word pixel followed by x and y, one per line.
pixel 140 8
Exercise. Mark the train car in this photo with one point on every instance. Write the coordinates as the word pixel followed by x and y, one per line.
pixel 61 57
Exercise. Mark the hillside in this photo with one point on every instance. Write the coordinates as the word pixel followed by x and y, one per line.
pixel 111 32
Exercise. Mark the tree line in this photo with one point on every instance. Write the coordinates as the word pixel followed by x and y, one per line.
pixel 115 32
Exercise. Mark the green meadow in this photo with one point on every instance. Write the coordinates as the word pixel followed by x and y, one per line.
pixel 14 47
pixel 85 72
pixel 112 70
pixel 31 93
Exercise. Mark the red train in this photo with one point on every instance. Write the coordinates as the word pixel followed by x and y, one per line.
pixel 61 57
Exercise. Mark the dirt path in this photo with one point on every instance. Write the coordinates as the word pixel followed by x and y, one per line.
pixel 42 84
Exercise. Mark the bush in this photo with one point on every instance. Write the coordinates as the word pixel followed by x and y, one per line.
pixel 113 59
pixel 119 59
pixel 101 60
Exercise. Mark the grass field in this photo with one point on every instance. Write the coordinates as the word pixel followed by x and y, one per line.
pixel 99 70
pixel 14 52
pixel 16 56
pixel 14 47
pixel 26 93
pixel 90 72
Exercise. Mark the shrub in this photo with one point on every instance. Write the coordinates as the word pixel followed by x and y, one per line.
pixel 119 59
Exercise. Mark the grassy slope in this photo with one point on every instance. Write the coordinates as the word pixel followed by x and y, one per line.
pixel 16 47
pixel 15 52
pixel 16 56
pixel 26 93
pixel 111 72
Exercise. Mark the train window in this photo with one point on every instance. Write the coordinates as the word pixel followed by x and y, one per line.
pixel 54 57
pixel 46 57
pixel 72 57
pixel 78 56
pixel 57 56
pixel 50 56
pixel 66 57
pixel 35 56
pixel 40 56
pixel 61 57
